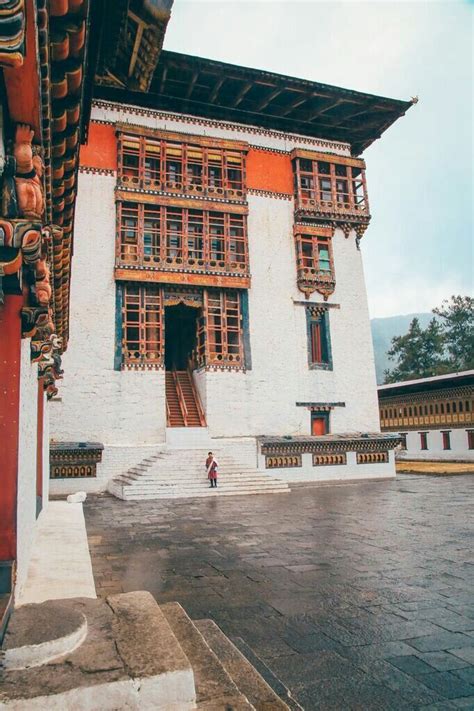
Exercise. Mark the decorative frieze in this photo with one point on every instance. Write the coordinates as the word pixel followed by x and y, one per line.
pixel 226 125
pixel 327 444
pixel 372 457
pixel 284 462
pixel 329 460
pixel 74 459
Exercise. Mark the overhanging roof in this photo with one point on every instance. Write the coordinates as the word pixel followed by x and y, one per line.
pixel 203 87
pixel 437 382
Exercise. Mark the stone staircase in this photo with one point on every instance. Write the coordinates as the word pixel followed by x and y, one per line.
pixel 180 473
pixel 127 653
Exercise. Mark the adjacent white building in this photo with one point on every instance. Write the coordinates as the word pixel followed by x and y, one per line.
pixel 433 416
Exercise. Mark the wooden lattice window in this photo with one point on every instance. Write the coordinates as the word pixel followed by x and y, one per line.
pixel 165 236
pixel 139 233
pixel 220 330
pixel 180 166
pixel 314 260
pixel 329 184
pixel 142 333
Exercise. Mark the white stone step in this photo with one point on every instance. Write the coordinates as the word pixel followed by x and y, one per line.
pixel 184 495
pixel 173 473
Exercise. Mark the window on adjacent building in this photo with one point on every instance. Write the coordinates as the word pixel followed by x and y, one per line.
pixel 446 439
pixel 403 437
pixel 470 439
pixel 423 440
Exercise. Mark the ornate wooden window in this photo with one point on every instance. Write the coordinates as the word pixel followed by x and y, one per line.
pixel 423 440
pixel 142 326
pixel 184 239
pixel 331 187
pixel 166 162
pixel 319 347
pixel 314 260
pixel 220 340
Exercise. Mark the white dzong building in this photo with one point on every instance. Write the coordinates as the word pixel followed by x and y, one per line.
pixel 218 299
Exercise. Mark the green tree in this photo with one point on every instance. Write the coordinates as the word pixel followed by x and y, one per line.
pixel 457 323
pixel 418 354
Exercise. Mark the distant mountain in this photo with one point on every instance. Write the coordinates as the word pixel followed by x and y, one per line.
pixel 383 330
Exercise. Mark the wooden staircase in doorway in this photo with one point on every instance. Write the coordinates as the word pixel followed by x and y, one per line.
pixel 183 408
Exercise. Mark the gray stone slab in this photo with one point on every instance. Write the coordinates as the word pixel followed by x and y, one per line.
pixel 244 675
pixel 214 687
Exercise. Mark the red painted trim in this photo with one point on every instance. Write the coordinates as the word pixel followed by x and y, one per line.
pixel 101 148
pixel 269 171
pixel 39 439
pixel 23 83
pixel 10 357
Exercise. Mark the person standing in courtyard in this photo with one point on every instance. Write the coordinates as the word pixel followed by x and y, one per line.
pixel 211 468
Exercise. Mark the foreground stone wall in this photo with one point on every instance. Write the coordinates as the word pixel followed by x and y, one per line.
pixel 26 496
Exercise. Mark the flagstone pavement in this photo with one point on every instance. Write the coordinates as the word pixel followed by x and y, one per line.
pixel 353 597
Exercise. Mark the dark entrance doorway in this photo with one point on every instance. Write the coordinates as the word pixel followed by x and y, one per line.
pixel 180 336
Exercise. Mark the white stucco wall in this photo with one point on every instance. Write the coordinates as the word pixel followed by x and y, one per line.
pixel 123 408
pixel 335 473
pixel 459 446
pixel 96 402
pixel 26 495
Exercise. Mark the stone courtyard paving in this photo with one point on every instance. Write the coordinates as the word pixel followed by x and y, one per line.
pixel 355 597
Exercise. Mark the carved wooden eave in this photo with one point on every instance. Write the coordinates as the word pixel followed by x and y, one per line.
pixel 43 57
pixel 131 42
pixel 12 33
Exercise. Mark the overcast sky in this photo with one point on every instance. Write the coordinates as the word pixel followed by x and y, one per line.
pixel 418 248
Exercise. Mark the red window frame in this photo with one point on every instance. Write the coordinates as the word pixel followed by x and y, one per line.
pixel 446 434
pixel 423 441
pixel 470 439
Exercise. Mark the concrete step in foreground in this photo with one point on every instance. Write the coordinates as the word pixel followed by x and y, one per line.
pixel 129 659
pixel 245 676
pixel 215 690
